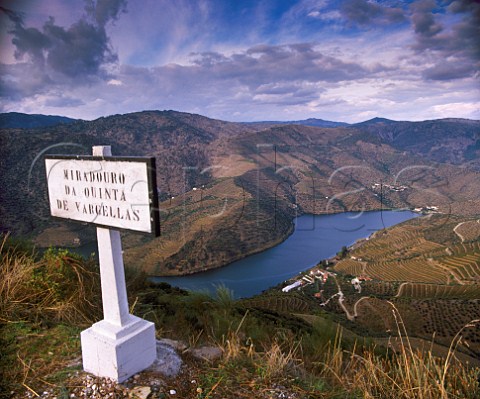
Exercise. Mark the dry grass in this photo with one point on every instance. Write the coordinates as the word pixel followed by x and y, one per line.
pixel 278 359
pixel 58 287
pixel 35 295
pixel 405 373
pixel 16 270
pixel 234 344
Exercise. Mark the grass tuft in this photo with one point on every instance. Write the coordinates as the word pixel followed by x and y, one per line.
pixel 60 287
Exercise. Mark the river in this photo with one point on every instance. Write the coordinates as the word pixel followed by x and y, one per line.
pixel 316 237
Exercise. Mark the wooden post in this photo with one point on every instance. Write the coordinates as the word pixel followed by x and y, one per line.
pixel 122 344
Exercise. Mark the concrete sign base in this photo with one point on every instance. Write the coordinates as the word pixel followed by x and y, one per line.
pixel 118 352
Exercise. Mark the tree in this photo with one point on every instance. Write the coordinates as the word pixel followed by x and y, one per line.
pixel 343 252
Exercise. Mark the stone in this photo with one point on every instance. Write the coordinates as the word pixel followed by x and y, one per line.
pixel 168 362
pixel 209 353
pixel 140 392
pixel 178 345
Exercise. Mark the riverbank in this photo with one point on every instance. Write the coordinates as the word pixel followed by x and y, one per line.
pixel 87 248
pixel 315 238
pixel 267 245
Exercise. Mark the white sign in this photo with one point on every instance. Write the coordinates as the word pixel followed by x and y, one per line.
pixel 107 191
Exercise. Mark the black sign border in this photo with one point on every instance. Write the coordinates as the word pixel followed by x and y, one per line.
pixel 152 188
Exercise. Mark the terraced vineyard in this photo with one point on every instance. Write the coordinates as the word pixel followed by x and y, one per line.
pixel 425 269
pixel 380 288
pixel 404 254
pixel 465 269
pixel 464 263
pixel 417 269
pixel 466 248
pixel 389 244
pixel 430 291
pixel 350 266
pixel 392 244
pixel 285 303
pixel 469 230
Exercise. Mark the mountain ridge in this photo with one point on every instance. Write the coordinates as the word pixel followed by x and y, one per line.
pixel 247 174
pixel 12 120
pixel 50 120
pixel 305 122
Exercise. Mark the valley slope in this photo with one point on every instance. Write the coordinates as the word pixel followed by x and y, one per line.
pixel 229 189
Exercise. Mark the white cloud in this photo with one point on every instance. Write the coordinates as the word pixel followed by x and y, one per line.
pixel 468 110
pixel 115 82
pixel 325 15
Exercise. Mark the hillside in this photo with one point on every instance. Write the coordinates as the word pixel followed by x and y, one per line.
pixel 229 189
pixel 421 269
pixel 453 141
pixel 211 346
pixel 16 120
pixel 305 122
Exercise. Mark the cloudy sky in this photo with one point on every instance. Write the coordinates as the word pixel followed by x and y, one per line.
pixel 242 60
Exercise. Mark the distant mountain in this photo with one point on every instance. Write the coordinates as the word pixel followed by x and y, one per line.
pixel 374 121
pixel 228 189
pixel 306 122
pixel 16 120
pixel 454 141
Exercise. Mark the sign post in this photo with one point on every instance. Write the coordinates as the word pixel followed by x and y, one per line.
pixel 118 192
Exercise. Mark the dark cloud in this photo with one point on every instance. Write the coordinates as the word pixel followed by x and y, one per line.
pixel 449 71
pixel 467 32
pixel 26 40
pixel 264 64
pixel 364 13
pixel 423 19
pixel 457 47
pixel 22 80
pixel 283 75
pixel 77 52
pixel 30 41
pixel 104 11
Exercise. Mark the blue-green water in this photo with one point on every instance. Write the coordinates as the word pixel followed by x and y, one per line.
pixel 316 237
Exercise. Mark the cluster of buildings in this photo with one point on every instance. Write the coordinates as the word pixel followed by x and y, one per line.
pixel 391 187
pixel 309 279
pixel 427 209
pixel 322 276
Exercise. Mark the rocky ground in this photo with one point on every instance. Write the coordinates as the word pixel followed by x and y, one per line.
pixel 177 373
